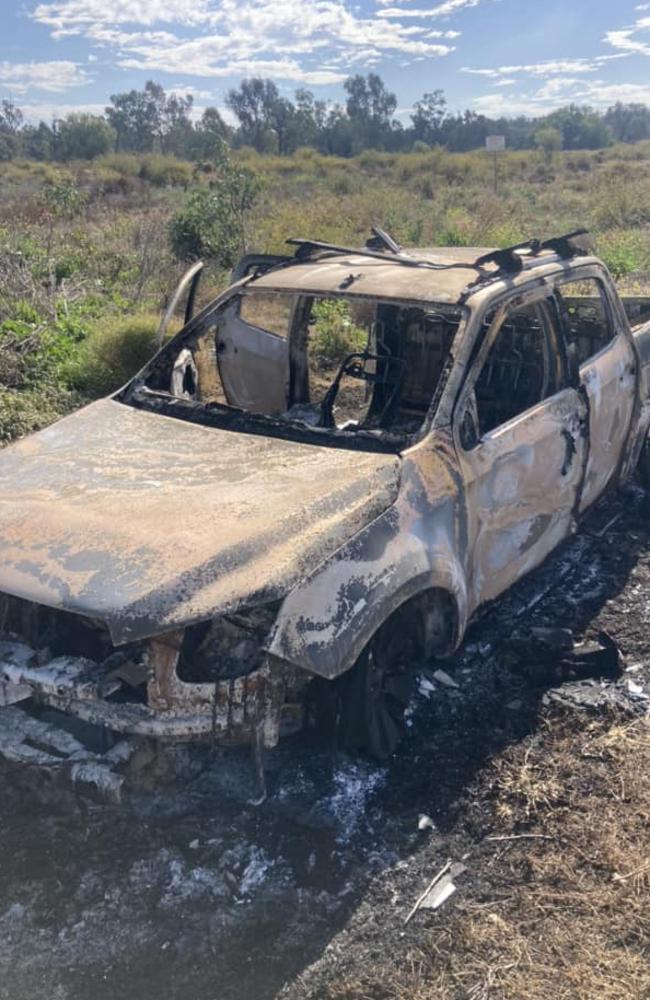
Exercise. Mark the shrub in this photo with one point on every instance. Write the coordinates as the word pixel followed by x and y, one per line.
pixel 22 412
pixel 212 222
pixel 621 202
pixel 548 140
pixel 63 199
pixel 114 351
pixel 335 333
pixel 126 164
pixel 624 251
pixel 33 355
pixel 165 171
pixel 81 136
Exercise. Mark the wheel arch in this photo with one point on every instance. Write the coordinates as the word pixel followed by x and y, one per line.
pixel 326 622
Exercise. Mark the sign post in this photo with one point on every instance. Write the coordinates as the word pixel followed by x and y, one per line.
pixel 495 144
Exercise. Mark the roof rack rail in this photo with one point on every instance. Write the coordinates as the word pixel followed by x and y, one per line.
pixel 511 258
pixel 564 246
pixel 380 239
pixel 306 249
pixel 257 264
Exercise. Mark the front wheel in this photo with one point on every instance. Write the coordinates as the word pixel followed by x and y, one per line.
pixel 363 710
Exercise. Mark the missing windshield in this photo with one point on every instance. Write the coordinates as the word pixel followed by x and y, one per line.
pixel 346 365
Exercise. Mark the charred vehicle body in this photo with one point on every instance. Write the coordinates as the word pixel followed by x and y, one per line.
pixel 257 527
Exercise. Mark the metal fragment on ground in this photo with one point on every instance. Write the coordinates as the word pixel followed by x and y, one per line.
pixel 443 678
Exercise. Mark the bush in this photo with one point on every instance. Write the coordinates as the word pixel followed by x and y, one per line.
pixel 33 355
pixel 63 199
pixel 22 412
pixel 165 171
pixel 114 351
pixel 624 251
pixel 211 225
pixel 81 136
pixel 335 333
pixel 126 164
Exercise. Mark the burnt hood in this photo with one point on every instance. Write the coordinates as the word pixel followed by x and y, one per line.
pixel 149 523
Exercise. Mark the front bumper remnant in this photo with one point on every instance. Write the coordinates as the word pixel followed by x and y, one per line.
pixel 25 739
pixel 246 709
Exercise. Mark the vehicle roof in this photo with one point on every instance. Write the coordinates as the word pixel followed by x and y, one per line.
pixel 383 279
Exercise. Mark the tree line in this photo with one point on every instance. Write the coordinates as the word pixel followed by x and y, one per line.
pixel 150 120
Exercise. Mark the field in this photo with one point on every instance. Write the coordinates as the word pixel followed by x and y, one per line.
pixel 86 260
pixel 538 782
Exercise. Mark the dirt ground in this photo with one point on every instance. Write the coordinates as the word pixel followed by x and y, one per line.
pixel 193 892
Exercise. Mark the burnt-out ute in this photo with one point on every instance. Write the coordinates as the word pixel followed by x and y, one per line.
pixel 308 489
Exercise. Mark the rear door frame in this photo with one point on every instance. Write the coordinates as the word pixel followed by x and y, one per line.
pixel 621 332
pixel 575 454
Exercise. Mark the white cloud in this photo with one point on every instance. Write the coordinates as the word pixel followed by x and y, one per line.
pixel 625 38
pixel 71 17
pixel 44 111
pixel 547 68
pixel 235 37
pixel 186 89
pixel 54 76
pixel 559 92
pixel 442 10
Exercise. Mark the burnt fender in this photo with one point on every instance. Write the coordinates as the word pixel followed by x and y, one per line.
pixel 326 621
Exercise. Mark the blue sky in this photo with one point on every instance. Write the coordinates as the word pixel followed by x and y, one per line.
pixel 495 56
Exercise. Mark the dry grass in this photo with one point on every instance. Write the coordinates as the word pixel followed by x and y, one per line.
pixel 567 917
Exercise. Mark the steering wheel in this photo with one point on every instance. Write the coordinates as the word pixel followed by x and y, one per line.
pixel 354 365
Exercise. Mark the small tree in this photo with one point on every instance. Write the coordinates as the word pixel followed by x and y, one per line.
pixel 428 115
pixel 11 121
pixel 81 136
pixel 212 223
pixel 549 141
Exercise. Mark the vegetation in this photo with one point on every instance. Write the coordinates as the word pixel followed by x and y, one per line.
pixel 335 333
pixel 151 121
pixel 212 222
pixel 90 250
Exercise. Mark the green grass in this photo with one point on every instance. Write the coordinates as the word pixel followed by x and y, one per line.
pixel 86 262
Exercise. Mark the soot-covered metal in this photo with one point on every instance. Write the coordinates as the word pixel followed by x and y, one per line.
pixel 252 520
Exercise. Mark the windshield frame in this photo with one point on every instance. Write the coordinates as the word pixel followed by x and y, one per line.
pixel 227 416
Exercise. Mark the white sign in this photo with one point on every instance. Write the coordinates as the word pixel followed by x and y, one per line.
pixel 495 143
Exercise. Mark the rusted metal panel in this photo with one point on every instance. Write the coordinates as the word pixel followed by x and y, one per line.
pixel 521 489
pixel 379 279
pixel 419 544
pixel 58 676
pixel 149 523
pixel 610 380
pixel 235 708
pixel 25 739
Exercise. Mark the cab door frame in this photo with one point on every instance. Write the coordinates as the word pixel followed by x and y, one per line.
pixel 609 382
pixel 522 479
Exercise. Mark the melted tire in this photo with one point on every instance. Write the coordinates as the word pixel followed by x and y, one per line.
pixel 372 697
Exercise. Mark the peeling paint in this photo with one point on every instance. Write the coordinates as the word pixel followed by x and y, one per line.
pixel 145 516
